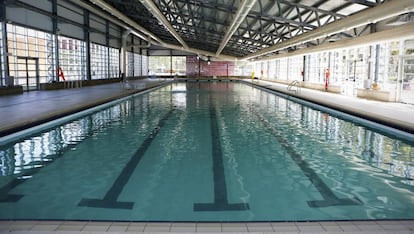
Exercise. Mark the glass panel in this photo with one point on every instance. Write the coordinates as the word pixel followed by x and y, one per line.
pixel 178 65
pixel 99 61
pixel 137 65
pixel 113 63
pixel 2 74
pixel 72 58
pixel 160 65
pixel 24 42
pixel 144 65
pixel 130 64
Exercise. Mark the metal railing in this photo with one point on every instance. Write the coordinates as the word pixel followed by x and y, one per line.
pixel 71 84
pixel 294 86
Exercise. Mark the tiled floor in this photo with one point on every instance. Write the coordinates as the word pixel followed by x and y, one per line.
pixel 67 227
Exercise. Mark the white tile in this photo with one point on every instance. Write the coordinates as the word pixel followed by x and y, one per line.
pixel 364 222
pixel 396 227
pixel 408 223
pixel 157 228
pixel 331 227
pixel 208 227
pixel 50 222
pixel 95 228
pixel 348 227
pixel 70 227
pixel 367 227
pixel 284 227
pixel 79 223
pixel 5 225
pixel 20 227
pixel 234 227
pixel 390 222
pixel 310 227
pixel 136 227
pixel 183 227
pixel 259 227
pixel 45 227
pixel 118 227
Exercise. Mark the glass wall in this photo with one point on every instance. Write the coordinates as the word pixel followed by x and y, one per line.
pixel 160 65
pixel 113 63
pixel 145 68
pixel 178 65
pixel 129 64
pixel 99 61
pixel 2 73
pixel 166 65
pixel 137 65
pixel 242 68
pixel 72 58
pixel 350 68
pixel 29 53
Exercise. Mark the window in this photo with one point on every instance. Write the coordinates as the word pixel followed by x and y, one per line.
pixel 144 65
pixel 113 63
pixel 137 65
pixel 2 74
pixel 99 61
pixel 24 43
pixel 242 68
pixel 295 68
pixel 160 65
pixel 178 65
pixel 72 58
pixel 130 64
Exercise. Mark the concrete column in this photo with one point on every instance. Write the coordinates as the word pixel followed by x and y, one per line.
pixel 125 35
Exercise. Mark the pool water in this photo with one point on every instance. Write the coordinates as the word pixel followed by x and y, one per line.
pixel 207 151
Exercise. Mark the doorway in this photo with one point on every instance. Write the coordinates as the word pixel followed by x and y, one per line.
pixel 28 73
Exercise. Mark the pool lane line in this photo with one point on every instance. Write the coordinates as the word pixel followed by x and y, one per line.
pixel 110 199
pixel 329 197
pixel 221 202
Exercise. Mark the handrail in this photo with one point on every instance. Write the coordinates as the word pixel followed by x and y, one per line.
pixel 293 84
pixel 71 84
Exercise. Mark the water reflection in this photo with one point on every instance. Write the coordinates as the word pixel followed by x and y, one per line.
pixel 37 151
pixel 390 155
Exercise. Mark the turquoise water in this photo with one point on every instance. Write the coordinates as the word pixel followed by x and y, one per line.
pixel 201 151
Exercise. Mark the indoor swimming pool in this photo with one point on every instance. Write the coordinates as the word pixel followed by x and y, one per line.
pixel 207 151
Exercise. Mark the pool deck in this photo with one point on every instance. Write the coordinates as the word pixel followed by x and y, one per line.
pixel 396 115
pixel 18 112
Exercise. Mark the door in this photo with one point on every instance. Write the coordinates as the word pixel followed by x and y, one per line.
pixel 28 72
pixel 407 80
pixel 349 85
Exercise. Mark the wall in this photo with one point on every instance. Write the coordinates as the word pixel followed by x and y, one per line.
pixel 196 67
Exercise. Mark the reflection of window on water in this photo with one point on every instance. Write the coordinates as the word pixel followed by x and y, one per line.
pixel 38 151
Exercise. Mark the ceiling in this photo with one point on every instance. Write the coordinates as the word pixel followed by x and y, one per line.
pixel 239 28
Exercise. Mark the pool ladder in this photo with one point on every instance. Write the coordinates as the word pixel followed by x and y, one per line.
pixel 294 86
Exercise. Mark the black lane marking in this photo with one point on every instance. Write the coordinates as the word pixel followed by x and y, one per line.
pixel 220 188
pixel 329 198
pixel 111 197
